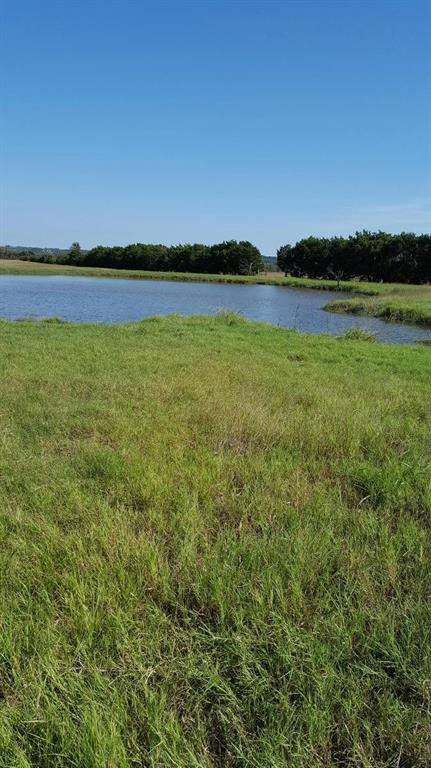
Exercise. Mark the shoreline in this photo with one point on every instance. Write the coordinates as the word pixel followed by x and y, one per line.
pixel 394 307
pixel 395 302
pixel 18 267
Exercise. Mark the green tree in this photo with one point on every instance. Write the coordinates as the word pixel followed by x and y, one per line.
pixel 75 253
pixel 285 258
pixel 338 259
pixel 235 258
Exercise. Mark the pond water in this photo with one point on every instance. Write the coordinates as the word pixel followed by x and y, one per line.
pixel 107 300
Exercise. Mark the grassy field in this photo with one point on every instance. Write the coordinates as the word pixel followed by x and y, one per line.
pixel 410 304
pixel 215 543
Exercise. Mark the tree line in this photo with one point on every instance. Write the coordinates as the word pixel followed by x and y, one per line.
pixel 372 256
pixel 228 257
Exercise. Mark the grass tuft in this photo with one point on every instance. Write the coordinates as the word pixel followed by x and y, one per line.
pixel 359 334
pixel 228 317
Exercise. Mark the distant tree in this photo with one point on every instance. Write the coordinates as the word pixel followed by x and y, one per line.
pixel 311 257
pixel 338 266
pixel 248 259
pixel 423 259
pixel 285 258
pixel 235 258
pixel 75 253
pixel 189 258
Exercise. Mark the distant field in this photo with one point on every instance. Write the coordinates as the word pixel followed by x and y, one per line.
pixel 215 547
pixel 16 267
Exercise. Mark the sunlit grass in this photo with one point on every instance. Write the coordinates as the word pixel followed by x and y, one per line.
pixel 215 547
pixel 411 304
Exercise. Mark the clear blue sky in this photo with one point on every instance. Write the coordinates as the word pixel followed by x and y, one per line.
pixel 201 121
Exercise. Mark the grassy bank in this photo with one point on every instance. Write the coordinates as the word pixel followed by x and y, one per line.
pixel 411 304
pixel 16 267
pixel 215 547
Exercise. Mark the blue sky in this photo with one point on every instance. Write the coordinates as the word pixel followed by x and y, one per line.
pixel 201 121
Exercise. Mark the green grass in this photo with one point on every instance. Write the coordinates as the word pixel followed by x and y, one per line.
pixel 410 304
pixel 16 267
pixel 359 334
pixel 215 543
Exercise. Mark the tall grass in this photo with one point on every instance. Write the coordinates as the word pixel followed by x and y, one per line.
pixel 412 305
pixel 215 547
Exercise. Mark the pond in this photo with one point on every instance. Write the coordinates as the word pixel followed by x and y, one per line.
pixel 107 300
